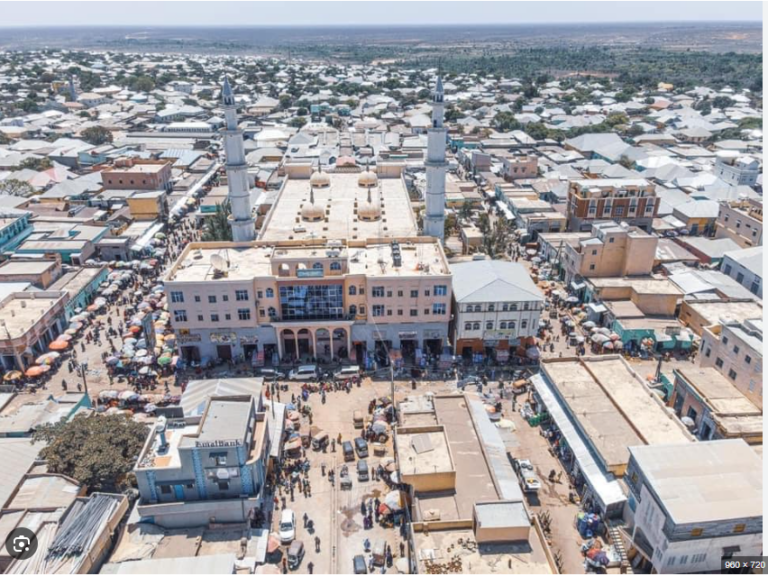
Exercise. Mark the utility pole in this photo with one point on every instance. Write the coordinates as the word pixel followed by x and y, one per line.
pixel 83 367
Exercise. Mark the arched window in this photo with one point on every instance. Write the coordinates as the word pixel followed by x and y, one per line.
pixel 272 312
pixel 317 265
pixel 270 293
pixel 491 307
pixel 335 265
pixel 476 326
pixel 503 326
pixel 489 325
pixel 353 310
pixel 352 291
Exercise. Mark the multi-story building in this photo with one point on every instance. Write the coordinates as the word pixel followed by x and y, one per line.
pixel 631 200
pixel 736 169
pixel 517 165
pixel 210 468
pixel 694 504
pixel 614 250
pixel 735 349
pixel 746 267
pixel 497 307
pixel 311 299
pixel 742 222
pixel 29 321
pixel 134 174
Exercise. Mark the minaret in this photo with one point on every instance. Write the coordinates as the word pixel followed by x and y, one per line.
pixel 434 223
pixel 241 220
pixel 72 92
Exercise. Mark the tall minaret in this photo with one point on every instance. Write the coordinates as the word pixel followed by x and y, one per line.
pixel 72 92
pixel 434 223
pixel 241 220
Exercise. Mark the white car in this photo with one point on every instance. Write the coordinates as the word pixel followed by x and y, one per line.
pixel 347 372
pixel 306 372
pixel 287 530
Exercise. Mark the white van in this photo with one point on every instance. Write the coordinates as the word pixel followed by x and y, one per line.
pixel 347 372
pixel 306 372
pixel 287 526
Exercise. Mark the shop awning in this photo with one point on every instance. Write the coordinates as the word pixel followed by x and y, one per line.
pixel 579 286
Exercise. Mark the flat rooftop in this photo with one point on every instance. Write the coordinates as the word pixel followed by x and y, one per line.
pixel 21 314
pixel 717 312
pixel 225 420
pixel 141 168
pixel 440 547
pixel 14 267
pixel 338 200
pixel 423 451
pixel 704 481
pixel 718 391
pixel 639 285
pixel 157 457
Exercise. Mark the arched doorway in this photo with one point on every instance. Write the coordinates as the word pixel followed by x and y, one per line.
pixel 304 343
pixel 340 349
pixel 323 341
pixel 289 344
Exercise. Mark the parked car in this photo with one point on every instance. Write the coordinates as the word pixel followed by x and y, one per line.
pixel 270 374
pixel 469 381
pixel 348 451
pixel 295 554
pixel 361 447
pixel 358 563
pixel 320 441
pixel 357 419
pixel 306 372
pixel 287 526
pixel 527 475
pixel 362 470
pixel 347 372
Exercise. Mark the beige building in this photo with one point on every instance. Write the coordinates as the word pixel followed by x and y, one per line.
pixel 651 296
pixel 698 314
pixel 29 321
pixel 614 250
pixel 134 174
pixel 735 349
pixel 631 200
pixel 742 222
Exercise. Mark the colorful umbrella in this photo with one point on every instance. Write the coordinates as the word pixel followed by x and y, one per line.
pixel 58 345
pixel 164 360
pixel 37 371
pixel 14 375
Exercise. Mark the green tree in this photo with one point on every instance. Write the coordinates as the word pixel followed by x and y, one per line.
pixel 496 239
pixel 285 101
pixel 96 135
pixel 38 164
pixel 14 187
pixel 450 224
pixel 505 121
pixel 722 102
pixel 297 121
pixel 627 162
pixel 465 212
pixel 142 84
pixel 98 451
pixel 217 228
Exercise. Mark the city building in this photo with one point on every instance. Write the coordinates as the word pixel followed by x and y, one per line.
pixel 136 174
pixel 602 407
pixel 735 349
pixel 206 469
pixel 736 169
pixel 434 219
pixel 630 200
pixel 694 505
pixel 14 228
pixel 746 267
pixel 714 406
pixel 497 308
pixel 311 299
pixel 516 165
pixel 613 250
pixel 697 314
pixel 742 222
pixel 241 219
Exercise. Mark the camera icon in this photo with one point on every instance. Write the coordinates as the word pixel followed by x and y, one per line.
pixel 21 544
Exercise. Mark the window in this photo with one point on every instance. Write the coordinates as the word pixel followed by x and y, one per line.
pixel 225 298
pixel 262 313
pixel 719 362
pixel 243 313
pixel 526 306
pixel 177 297
pixel 618 212
pixel 513 307
pixel 491 307
pixel 353 310
pixel 441 290
pixel 259 294
pixel 725 339
pixel 211 299
pixel 389 293
pixel 728 269
pixel 399 293
pixel 378 310
pixel 199 317
pixel 747 359
pixel 671 560
pixel 400 312
pixel 611 239
pixel 512 325
pixel 524 324
pixel 223 485
pixel 467 325
pixel 739 277
pixel 415 312
pixel 317 266
pixel 270 293
pixel 352 291
pixel 165 489
pixel 377 292
pixel 476 326
pixel 389 312
pixel 214 317
pixel 241 295
pixel 708 352
pixel 426 311
pixel 594 252
pixel 361 310
pixel 684 559
pixel 227 316
pixel 489 325
pixel 414 293
pixel 335 266
pixel 732 374
pixel 197 298
pixel 502 325
pixel 739 528
pixel 591 266
pixel 361 290
pixel 426 293
pixel 695 532
pixel 505 307
pixel 478 308
pixel 698 558
pixel 180 315
pixel 736 349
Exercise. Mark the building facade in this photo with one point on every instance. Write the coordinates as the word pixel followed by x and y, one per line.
pixel 737 169
pixel 746 267
pixel 742 222
pixel 630 200
pixel 434 220
pixel 135 174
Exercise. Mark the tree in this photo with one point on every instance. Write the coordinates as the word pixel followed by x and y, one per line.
pixel 626 162
pixel 38 164
pixel 285 101
pixel 722 102
pixel 297 121
pixel 14 187
pixel 465 212
pixel 496 240
pixel 450 225
pixel 505 122
pixel 96 135
pixel 98 451
pixel 142 84
pixel 217 228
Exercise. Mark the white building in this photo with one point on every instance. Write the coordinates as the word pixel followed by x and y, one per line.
pixel 737 169
pixel 694 504
pixel 434 221
pixel 746 267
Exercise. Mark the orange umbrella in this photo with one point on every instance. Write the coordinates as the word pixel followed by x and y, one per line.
pixel 58 345
pixel 135 329
pixel 37 370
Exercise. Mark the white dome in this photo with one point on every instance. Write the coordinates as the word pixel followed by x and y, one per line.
pixel 320 180
pixel 367 179
pixel 369 211
pixel 312 212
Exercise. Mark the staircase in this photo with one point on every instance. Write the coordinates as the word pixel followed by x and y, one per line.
pixel 615 530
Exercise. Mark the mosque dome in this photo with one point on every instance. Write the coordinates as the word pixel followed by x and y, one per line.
pixel 369 211
pixel 312 212
pixel 367 179
pixel 320 179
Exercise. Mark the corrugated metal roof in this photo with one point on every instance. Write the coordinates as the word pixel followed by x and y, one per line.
pixel 17 456
pixel 196 395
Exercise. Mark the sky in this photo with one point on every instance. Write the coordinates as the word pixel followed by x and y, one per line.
pixel 186 13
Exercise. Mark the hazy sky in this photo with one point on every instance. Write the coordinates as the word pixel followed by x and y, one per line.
pixel 361 12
